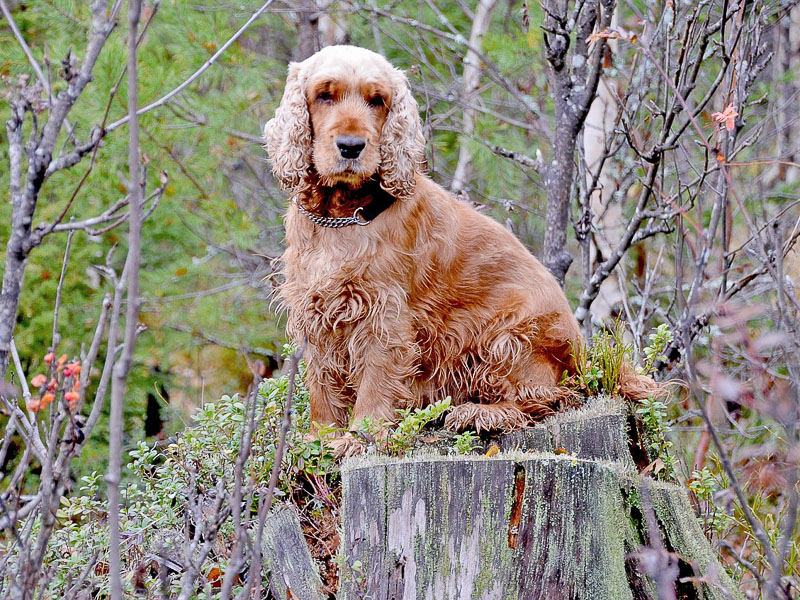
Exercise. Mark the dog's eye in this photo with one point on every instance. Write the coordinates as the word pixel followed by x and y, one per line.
pixel 376 101
pixel 325 98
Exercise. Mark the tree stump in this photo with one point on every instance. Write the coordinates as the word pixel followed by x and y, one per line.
pixel 291 571
pixel 562 522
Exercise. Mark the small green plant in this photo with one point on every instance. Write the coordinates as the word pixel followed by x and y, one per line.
pixel 598 365
pixel 466 442
pixel 411 423
pixel 653 415
pixel 394 441
pixel 704 484
pixel 659 340
pixel 653 412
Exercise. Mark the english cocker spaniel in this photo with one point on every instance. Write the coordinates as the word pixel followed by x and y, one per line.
pixel 405 294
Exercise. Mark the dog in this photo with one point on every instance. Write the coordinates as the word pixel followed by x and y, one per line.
pixel 404 294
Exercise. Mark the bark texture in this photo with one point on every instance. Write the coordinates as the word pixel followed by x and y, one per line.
pixel 575 69
pixel 290 568
pixel 543 524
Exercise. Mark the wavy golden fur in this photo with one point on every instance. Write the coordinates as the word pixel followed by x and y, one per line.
pixel 431 299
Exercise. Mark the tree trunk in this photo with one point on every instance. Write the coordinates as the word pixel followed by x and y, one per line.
pixel 576 65
pixel 470 80
pixel 308 41
pixel 563 522
pixel 559 193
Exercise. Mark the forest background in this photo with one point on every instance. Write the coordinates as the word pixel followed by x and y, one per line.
pixel 647 152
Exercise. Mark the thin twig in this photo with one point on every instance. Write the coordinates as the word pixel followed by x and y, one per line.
pixel 123 364
pixel 264 507
pixel 166 97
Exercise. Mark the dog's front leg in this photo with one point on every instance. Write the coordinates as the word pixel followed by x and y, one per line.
pixel 382 367
pixel 329 395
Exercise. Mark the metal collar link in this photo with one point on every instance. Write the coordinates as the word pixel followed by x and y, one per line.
pixel 335 222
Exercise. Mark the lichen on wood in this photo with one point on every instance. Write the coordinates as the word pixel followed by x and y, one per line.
pixel 564 521
pixel 448 530
pixel 598 430
pixel 685 537
pixel 290 569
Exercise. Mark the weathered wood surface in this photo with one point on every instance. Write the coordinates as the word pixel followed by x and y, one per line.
pixel 519 525
pixel 291 571
pixel 597 431
pixel 685 537
pixel 489 528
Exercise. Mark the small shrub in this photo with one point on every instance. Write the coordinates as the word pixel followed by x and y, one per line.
pixel 161 479
pixel 654 351
pixel 653 415
pixel 598 365
pixel 466 442
pixel 395 441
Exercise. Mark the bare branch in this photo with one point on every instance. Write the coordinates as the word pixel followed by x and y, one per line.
pixel 123 364
pixel 167 97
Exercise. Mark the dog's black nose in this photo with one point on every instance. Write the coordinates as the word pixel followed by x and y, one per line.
pixel 350 146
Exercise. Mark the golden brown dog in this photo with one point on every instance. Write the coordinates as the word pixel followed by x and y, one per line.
pixel 405 294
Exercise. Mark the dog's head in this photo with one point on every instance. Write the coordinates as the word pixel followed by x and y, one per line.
pixel 346 115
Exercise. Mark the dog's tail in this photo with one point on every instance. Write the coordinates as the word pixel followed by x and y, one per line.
pixel 634 386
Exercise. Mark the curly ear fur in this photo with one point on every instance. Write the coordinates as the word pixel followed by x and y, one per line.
pixel 402 143
pixel 288 135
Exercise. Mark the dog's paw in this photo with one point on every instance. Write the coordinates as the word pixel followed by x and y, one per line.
pixel 346 446
pixel 485 417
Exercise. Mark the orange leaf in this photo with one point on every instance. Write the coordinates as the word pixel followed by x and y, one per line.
pixel 215 577
pixel 606 34
pixel 727 117
pixel 72 398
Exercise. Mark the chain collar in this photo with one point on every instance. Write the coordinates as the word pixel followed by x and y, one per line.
pixel 334 222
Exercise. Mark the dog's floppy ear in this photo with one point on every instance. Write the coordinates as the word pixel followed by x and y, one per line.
pixel 402 143
pixel 288 134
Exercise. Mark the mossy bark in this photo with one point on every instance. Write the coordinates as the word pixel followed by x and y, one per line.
pixel 291 571
pixel 561 522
